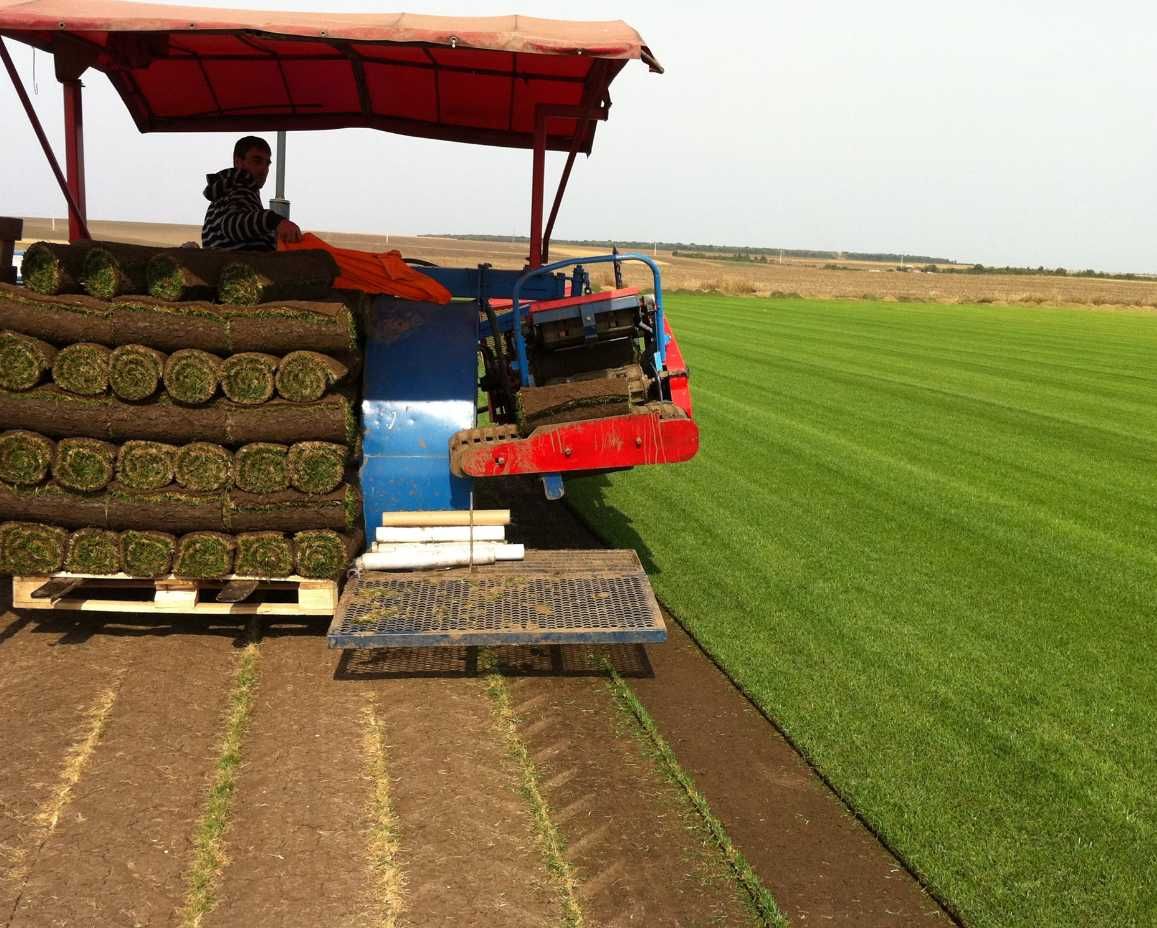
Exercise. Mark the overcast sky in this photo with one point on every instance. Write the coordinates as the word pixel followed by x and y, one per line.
pixel 998 132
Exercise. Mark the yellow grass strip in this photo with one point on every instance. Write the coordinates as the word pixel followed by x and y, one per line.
pixel 209 840
pixel 552 844
pixel 20 862
pixel 384 832
pixel 760 899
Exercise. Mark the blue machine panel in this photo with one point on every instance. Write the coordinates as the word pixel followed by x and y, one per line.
pixel 419 388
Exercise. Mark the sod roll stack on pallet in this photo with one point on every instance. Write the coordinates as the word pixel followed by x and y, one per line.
pixel 178 413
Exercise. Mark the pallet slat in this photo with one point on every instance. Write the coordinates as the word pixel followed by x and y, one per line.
pixel 167 595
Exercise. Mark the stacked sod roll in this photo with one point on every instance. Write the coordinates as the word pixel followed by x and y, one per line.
pixel 149 427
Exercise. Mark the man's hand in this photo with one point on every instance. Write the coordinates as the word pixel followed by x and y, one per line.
pixel 288 232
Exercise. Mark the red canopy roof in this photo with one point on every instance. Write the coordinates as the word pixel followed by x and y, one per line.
pixel 472 79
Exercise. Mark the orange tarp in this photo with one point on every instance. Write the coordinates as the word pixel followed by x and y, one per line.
pixel 384 272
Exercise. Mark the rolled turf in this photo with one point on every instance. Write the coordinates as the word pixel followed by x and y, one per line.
pixel 135 372
pixel 323 554
pixel 204 554
pixel 204 467
pixel 82 368
pixel 180 510
pixel 328 326
pixel 316 466
pixel 84 464
pixel 27 548
pixel 192 376
pixel 148 554
pixel 264 554
pixel 248 378
pixel 304 376
pixel 52 267
pixel 24 360
pixel 93 551
pixel 112 269
pixel 25 457
pixel 146 465
pixel 261 467
pixel 264 278
pixel 186 274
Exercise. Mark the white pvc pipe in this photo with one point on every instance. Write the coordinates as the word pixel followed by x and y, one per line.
pixel 448 517
pixel 410 557
pixel 440 533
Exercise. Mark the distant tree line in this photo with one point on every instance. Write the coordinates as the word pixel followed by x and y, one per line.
pixel 1042 271
pixel 716 252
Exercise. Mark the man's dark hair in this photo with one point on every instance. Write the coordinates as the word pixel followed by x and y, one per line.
pixel 247 144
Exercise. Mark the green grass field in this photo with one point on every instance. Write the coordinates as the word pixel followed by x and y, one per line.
pixel 924 539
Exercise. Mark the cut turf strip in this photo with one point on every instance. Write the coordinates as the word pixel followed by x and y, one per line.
pixel 204 555
pixel 192 376
pixel 312 839
pixel 82 368
pixel 25 457
pixel 203 467
pixel 148 553
pixel 761 900
pixel 208 839
pixel 84 464
pixel 263 554
pixel 30 548
pixel 135 372
pixel 94 551
pixel 112 269
pixel 636 853
pixel 248 378
pixel 146 465
pixel 314 466
pixel 261 468
pixel 304 376
pixel 24 360
pixel 548 835
pixel 467 845
pixel 186 274
pixel 264 278
pixel 53 267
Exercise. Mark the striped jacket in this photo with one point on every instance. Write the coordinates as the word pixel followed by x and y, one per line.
pixel 236 220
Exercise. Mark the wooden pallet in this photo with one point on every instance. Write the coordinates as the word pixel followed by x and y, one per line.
pixel 122 593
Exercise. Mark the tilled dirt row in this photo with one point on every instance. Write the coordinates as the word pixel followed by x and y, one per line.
pixel 300 844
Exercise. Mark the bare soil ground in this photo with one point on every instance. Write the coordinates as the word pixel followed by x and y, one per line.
pixel 794 277
pixel 112 726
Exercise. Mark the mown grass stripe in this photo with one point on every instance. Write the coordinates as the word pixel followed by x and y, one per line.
pixel 209 856
pixel 548 834
pixel 758 896
pixel 923 539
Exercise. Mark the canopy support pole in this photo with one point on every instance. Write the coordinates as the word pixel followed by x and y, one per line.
pixel 75 210
pixel 74 159
pixel 540 243
pixel 537 178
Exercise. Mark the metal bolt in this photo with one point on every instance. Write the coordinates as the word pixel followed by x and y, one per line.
pixel 638 441
pixel 567 452
pixel 500 461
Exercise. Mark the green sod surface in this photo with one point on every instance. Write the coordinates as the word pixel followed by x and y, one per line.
pixel 924 539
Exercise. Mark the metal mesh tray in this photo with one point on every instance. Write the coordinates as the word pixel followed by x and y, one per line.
pixel 555 597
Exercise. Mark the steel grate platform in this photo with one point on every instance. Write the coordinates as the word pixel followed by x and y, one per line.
pixel 552 597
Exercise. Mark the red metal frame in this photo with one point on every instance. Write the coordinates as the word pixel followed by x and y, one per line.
pixel 540 244
pixel 613 443
pixel 74 159
pixel 73 188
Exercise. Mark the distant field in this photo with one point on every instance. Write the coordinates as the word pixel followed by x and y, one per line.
pixel 924 539
pixel 795 277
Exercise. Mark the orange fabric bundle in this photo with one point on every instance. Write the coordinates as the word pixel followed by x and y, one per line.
pixel 375 273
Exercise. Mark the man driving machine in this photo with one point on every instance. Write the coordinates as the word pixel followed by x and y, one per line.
pixel 236 220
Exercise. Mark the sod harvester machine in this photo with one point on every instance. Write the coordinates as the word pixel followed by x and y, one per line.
pixel 577 380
